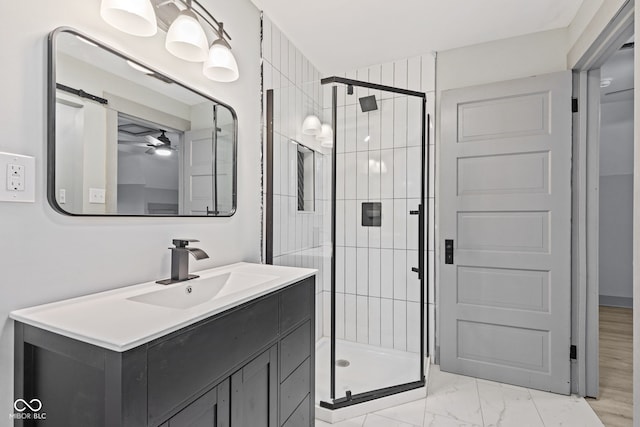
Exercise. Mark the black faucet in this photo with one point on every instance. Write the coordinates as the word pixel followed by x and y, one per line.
pixel 180 261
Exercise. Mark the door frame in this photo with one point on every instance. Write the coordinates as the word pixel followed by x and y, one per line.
pixel 585 201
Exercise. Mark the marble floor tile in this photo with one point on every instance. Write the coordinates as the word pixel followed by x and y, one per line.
pixel 558 410
pixel 456 400
pixel 453 396
pixel 435 420
pixel 412 412
pixel 353 422
pixel 503 405
pixel 374 420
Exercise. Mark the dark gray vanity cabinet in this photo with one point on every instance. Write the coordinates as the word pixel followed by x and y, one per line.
pixel 212 409
pixel 250 366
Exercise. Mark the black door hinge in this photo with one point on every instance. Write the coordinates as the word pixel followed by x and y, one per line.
pixel 574 105
pixel 573 352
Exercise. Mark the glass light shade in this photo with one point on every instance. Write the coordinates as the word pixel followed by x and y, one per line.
pixel 163 151
pixel 326 136
pixel 135 17
pixel 186 38
pixel 311 125
pixel 221 65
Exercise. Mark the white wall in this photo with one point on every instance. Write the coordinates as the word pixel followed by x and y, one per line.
pixel 507 59
pixel 299 238
pixel 46 256
pixel 616 203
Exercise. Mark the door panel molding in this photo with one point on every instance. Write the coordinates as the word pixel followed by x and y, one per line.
pixel 505 200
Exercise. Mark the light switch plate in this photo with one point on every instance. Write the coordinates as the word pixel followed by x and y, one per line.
pixel 96 195
pixel 17 178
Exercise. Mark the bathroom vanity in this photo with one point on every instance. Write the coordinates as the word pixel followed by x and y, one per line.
pixel 176 355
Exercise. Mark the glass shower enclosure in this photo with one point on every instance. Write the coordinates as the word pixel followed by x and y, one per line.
pixel 376 346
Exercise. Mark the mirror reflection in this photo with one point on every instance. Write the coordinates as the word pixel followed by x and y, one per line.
pixel 130 141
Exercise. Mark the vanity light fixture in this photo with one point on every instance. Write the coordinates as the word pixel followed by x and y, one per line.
pixel 221 65
pixel 186 38
pixel 135 17
pixel 311 125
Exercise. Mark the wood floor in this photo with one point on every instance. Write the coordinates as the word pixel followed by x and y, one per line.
pixel 615 403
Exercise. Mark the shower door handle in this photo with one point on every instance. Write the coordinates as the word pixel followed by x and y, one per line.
pixel 420 213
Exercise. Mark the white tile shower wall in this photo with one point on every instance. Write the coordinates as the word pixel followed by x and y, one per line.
pixel 375 286
pixel 300 239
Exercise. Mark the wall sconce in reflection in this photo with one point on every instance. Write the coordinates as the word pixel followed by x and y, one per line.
pixel 326 136
pixel 311 125
pixel 323 132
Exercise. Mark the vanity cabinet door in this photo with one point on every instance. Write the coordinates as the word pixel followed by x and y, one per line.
pixel 254 392
pixel 210 410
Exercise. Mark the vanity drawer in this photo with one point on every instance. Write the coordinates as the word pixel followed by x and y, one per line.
pixel 295 348
pixel 294 389
pixel 296 303
pixel 187 363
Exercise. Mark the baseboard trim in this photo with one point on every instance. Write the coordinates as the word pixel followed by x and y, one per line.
pixel 612 301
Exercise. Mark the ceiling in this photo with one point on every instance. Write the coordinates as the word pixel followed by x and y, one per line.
pixel 340 35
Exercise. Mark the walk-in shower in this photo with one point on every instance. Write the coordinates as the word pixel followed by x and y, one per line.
pixel 378 269
pixel 366 235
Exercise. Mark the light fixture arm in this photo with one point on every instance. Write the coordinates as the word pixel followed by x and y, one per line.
pixel 203 13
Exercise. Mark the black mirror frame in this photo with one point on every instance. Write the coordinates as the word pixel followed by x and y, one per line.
pixel 51 129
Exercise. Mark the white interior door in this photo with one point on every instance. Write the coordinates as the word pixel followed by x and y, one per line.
pixel 198 172
pixel 505 201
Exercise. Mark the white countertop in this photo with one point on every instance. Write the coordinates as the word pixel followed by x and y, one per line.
pixel 112 321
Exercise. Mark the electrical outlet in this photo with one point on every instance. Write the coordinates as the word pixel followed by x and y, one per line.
pixel 15 183
pixel 97 195
pixel 15 177
pixel 15 170
pixel 19 178
pixel 62 198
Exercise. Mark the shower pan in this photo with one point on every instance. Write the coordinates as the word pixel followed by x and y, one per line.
pixel 366 238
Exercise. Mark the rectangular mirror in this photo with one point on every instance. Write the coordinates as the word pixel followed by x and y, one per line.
pixel 124 139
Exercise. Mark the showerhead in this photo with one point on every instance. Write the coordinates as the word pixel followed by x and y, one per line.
pixel 368 103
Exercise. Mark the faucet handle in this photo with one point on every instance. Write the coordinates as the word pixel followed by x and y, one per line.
pixel 182 243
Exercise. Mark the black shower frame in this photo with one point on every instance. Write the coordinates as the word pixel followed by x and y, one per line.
pixel 422 269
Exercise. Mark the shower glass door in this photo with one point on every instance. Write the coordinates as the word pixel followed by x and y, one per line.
pixel 377 294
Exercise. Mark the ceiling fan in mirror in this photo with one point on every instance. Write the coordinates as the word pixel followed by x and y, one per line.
pixel 160 144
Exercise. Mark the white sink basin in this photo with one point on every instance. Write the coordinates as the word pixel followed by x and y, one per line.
pixel 124 318
pixel 199 291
